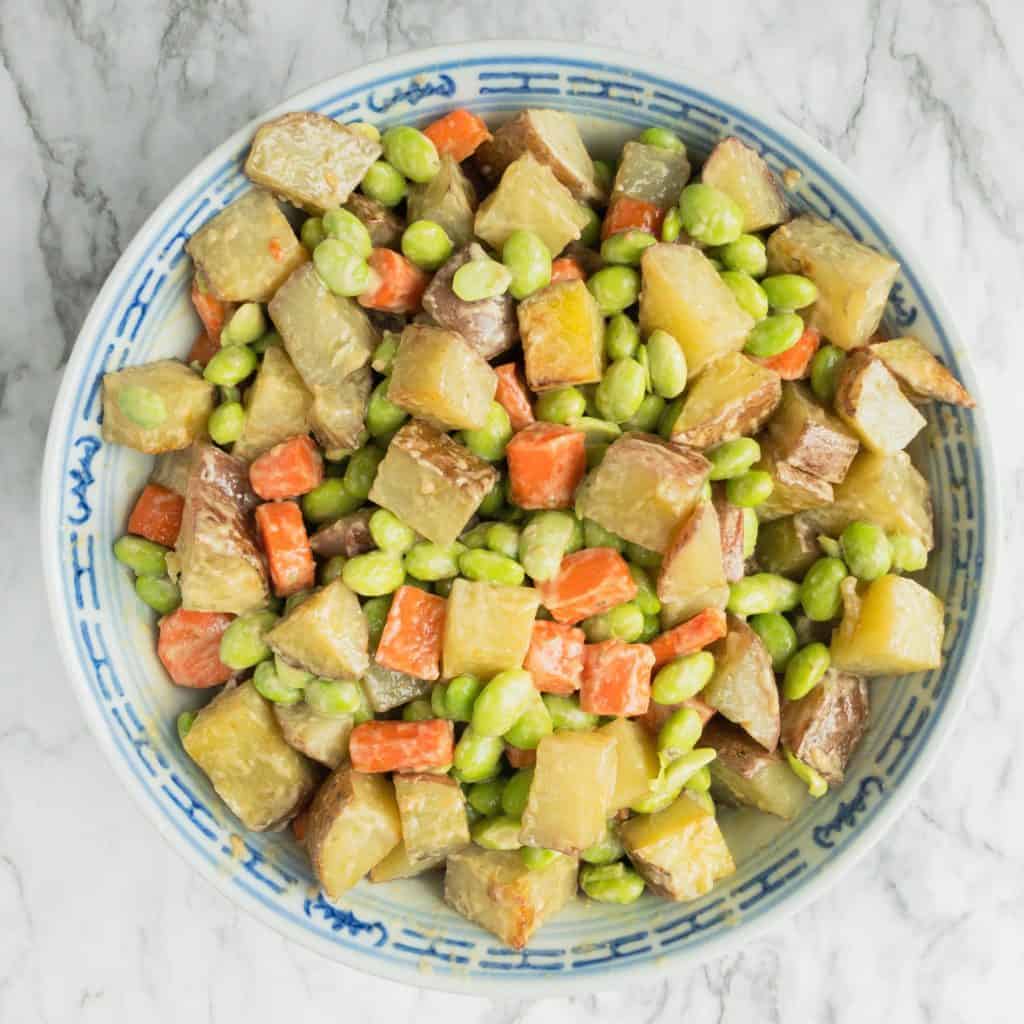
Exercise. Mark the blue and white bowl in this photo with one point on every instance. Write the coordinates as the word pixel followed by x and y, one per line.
pixel 403 930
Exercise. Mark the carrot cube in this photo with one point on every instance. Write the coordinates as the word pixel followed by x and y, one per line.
pixel 189 647
pixel 287 547
pixel 658 714
pixel 518 758
pixel 546 463
pixel 588 582
pixel 793 364
pixel 398 284
pixel 203 349
pixel 391 746
pixel 157 515
pixel 616 678
pixel 413 635
pixel 565 268
pixel 213 312
pixel 457 134
pixel 555 657
pixel 288 470
pixel 690 636
pixel 512 395
pixel 627 214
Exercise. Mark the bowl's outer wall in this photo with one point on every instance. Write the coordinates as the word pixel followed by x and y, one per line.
pixel 402 931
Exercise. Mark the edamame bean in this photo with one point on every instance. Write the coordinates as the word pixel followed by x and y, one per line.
pixel 544 543
pixel 596 536
pixel 699 781
pixel 816 784
pixel 819 592
pixel 269 340
pixel 672 225
pixel 329 500
pixel 644 557
pixel 342 270
pixel 384 183
pixel 747 292
pixel 528 261
pixel 604 173
pixel 494 500
pixel 497 833
pixel 489 567
pixel 751 526
pixel 666 363
pixel 680 733
pixel 247 324
pixel 389 533
pixel 334 697
pixel 159 593
pixel 439 700
pixel 271 687
pixel 243 644
pixel 431 562
pixel 606 850
pixel 485 797
pixel 384 353
pixel 294 600
pixel 226 423
pixel 411 153
pixel 595 453
pixel 763 592
pixel 662 138
pixel 831 547
pixel 626 622
pixel 614 288
pixel 489 441
pixel 566 714
pixel 626 247
pixel 297 678
pixel 184 723
pixel 143 557
pixel 443 588
pixel 674 777
pixel 426 243
pixel 503 538
pixel 825 367
pixel 747 254
pixel 531 726
pixel 710 216
pixel 596 431
pixel 230 366
pixel 374 574
pixel 516 793
pixel 476 537
pixel 621 337
pixel 361 470
pixel 750 489
pixel 143 406
pixel 805 670
pixel 596 629
pixel 590 236
pixel 789 291
pixel 383 417
pixel 774 335
pixel 536 858
pixel 501 702
pixel 481 279
pixel 418 710
pixel 477 757
pixel 777 635
pixel 459 697
pixel 866 550
pixel 733 458
pixel 646 418
pixel 312 233
pixel 376 612
pixel 646 598
pixel 683 678
pixel 230 394
pixel 611 883
pixel 621 390
pixel 908 553
pixel 560 405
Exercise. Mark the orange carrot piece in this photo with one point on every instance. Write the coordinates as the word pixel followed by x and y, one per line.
pixel 189 647
pixel 299 825
pixel 565 268
pixel 513 396
pixel 398 286
pixel 555 657
pixel 413 634
pixel 287 547
pixel 658 714
pixel 589 582
pixel 203 349
pixel 157 515
pixel 626 213
pixel 794 363
pixel 212 311
pixel 616 678
pixel 519 758
pixel 288 470
pixel 546 462
pixel 457 134
pixel 690 636
pixel 391 746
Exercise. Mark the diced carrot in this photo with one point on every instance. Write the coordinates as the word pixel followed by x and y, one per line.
pixel 626 213
pixel 276 250
pixel 398 285
pixel 413 634
pixel 513 396
pixel 212 311
pixel 690 636
pixel 157 515
pixel 589 582
pixel 203 349
pixel 189 647
pixel 392 746
pixel 519 758
pixel 457 134
pixel 287 547
pixel 288 470
pixel 565 268
pixel 546 462
pixel 555 657
pixel 793 364
pixel 658 714
pixel 616 678
pixel 299 825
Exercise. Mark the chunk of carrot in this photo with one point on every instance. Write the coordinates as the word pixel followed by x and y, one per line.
pixel 203 349
pixel 157 515
pixel 189 647
pixel 458 134
pixel 212 311
pixel 565 268
pixel 616 678
pixel 546 462
pixel 627 214
pixel 518 758
pixel 555 657
pixel 286 544
pixel 391 746
pixel 794 363
pixel 658 714
pixel 288 470
pixel 513 396
pixel 690 636
pixel 398 284
pixel 299 825
pixel 588 582
pixel 413 634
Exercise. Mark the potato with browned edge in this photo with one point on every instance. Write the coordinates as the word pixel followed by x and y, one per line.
pixel 277 406
pixel 741 173
pixel 338 413
pixel 793 490
pixel 448 199
pixel 636 761
pixel 398 865
pixel 433 813
pixel 317 736
pixel 808 437
pixel 921 376
pixel 787 546
pixel 692 575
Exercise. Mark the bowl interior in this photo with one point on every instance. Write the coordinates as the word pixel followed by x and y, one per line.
pixel 403 930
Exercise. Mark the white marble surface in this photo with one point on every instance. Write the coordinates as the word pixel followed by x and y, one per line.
pixel 104 105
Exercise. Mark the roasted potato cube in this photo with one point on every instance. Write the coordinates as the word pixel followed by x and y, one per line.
pixel 431 482
pixel 636 761
pixel 433 813
pixel 529 196
pixel 448 199
pixel 186 399
pixel 731 535
pixel 278 406
pixel 683 294
pixel 894 626
pixel 397 865
pixel 642 489
pixel 326 634
pixel 353 825
pixel 384 225
pixel 743 687
pixel 571 795
pixel 921 376
pixel 236 741
pixel 793 490
pixel 338 413
pixel 853 281
pixel 692 575
pixel 680 851
pixel 317 736
pixel 172 469
pixel 741 173
pixel 388 689
pixel 805 435
pixel 563 336
pixel 651 174
pixel 787 546
pixel 348 536
pixel 496 890
pixel 248 250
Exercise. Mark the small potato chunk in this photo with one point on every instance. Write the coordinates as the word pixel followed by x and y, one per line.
pixel 384 225
pixel 894 626
pixel 683 294
pixel 642 489
pixel 732 398
pixel 692 575
pixel 743 687
pixel 438 378
pixel 348 536
pixel 353 825
pixel 741 173
pixel 311 160
pixel 248 250
pixel 398 865
pixel 921 376
pixel 431 482
pixel 793 490
pixel 680 851
pixel 171 469
pixel 236 741
pixel 651 174
pixel 636 760
pixel 448 199
pixel 496 890
pixel 278 406
pixel 571 794
pixel 529 196
pixel 186 397
pixel 805 435
pixel 870 402
pixel 563 336
pixel 731 535
pixel 433 813
pixel 338 413
pixel 317 736
pixel 787 546
pixel 853 280
pixel 388 689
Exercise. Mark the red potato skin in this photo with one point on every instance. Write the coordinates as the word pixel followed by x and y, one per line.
pixel 289 469
pixel 520 758
pixel 616 678
pixel 513 397
pixel 413 635
pixel 588 582
pixel 546 463
pixel 286 545
pixel 392 746
pixel 157 515
pixel 188 645
pixel 555 657
pixel 693 635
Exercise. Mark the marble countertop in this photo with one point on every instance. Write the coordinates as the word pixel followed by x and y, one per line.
pixel 104 105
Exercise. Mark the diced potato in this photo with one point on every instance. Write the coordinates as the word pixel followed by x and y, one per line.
pixel 651 174
pixel 680 851
pixel 397 865
pixel 743 687
pixel 433 813
pixel 853 281
pixel 529 196
pixel 388 689
pixel 563 336
pixel 487 628
pixel 692 571
pixel 248 250
pixel 338 413
pixel 869 400
pixel 448 199
pixel 438 378
pixel 642 488
pixel 317 736
pixel 353 825
pixel 187 399
pixel 741 173
pixel 571 795
pixel 236 741
pixel 732 398
pixel 921 376
pixel 431 482
pixel 384 225
pixel 793 490
pixel 348 536
pixel 496 890
pixel 808 437
pixel 326 634
pixel 731 535
pixel 172 469
pixel 278 406
pixel 311 160
pixel 894 626
pixel 787 546
pixel 636 761
pixel 683 294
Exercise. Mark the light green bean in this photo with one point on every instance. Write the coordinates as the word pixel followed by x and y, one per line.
pixel 536 858
pixel 383 417
pixel 459 697
pixel 389 533
pixel 312 233
pixel 361 470
pixel 489 441
pixel 497 833
pixel 230 366
pixel 426 243
pixel 645 420
pixel 481 279
pixel 503 538
pixel 243 644
pixel 614 288
pixel 418 710
pixel 733 458
pixel 184 723
pixel 477 757
pixel 531 726
pixel 777 635
pixel 334 698
pixel 683 678
pixel 544 543
pixel 376 612
pixel 667 364
pixel 489 567
pixel 820 595
pixel 763 592
pixel 566 714
pixel 611 883
pixel 328 501
pixel 159 593
pixel 143 557
pixel 269 685
pixel 626 247
pixel 528 261
pixel 606 850
pixel 374 574
pixel 751 527
pixel 662 138
pixel 789 291
pixel 247 323
pixel 750 489
pixel 825 367
pixel 866 550
pixel 485 797
pixel 626 622
pixel 431 562
pixel 384 183
pixel 680 733
pixel 501 702
pixel 908 553
pixel 774 335
pixel 672 225
pixel 710 216
pixel 747 254
pixel 816 783
pixel 411 153
pixel 560 405
pixel 226 423
pixel 621 390
pixel 805 670
pixel 621 337
pixel 516 793
pixel 343 270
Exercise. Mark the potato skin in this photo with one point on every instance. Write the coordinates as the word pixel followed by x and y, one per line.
pixel 384 225
pixel 922 377
pixel 809 438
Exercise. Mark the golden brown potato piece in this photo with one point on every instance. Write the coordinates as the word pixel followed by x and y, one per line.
pixel 397 865
pixel 338 413
pixel 741 173
pixel 636 761
pixel 692 575
pixel 384 225
pixel 793 490
pixel 388 689
pixel 787 546
pixel 278 406
pixel 448 199
pixel 806 436
pixel 317 736
pixel 731 535
pixel 348 536
pixel 921 376
pixel 433 813
pixel 651 174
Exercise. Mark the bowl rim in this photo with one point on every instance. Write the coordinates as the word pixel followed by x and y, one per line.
pixel 840 861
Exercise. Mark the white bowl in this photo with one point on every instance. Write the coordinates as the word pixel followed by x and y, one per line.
pixel 402 930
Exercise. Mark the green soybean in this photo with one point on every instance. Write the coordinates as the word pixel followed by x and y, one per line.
pixel 789 291
pixel 342 270
pixel 439 700
pixel 531 726
pixel 680 733
pixel 614 288
pixel 604 172
pixel 247 323
pixel 489 440
pixel 646 598
pixel 389 533
pixel 777 635
pixel 642 556
pixel 383 417
pixel 747 254
pixel 489 567
pixel 606 850
pixel 672 225
pixel 384 353
pixel 866 550
pixel 528 261
pixel 566 714
pixel 597 628
pixel 331 569
pixel 667 420
pixel 646 418
pixel 294 600
pixel 683 678
pixel 426 243
pixel 312 233
pixel 710 216
pixel 269 340
pixel 243 643
pixel 667 364
pixel 347 228
pixel 497 833
pixel 226 423
pixel 411 153
pixel 230 366
pixel 675 775
pixel 825 367
pixel 699 781
pixel 418 710
pixel 750 489
pixel 751 527
pixel 621 390
pixel 763 592
pixel 430 562
pixel 361 470
pixel 590 236
pixel 501 702
pixel 544 543
pixel 459 697
pixel 774 335
pixel 494 499
pixel 374 574
pixel 477 757
pixel 830 546
pixel 384 183
pixel 733 458
pixel 644 359
pixel 816 784
pixel 621 337
pixel 334 698
pixel 560 405
pixel 297 678
pixel 376 612
pixel 626 247
pixel 485 797
pixel 269 685
pixel 481 279
pixel 611 883
pixel 536 858
pixel 662 138
pixel 475 537
pixel 596 536
pixel 143 557
pixel 626 622
pixel 805 670
pixel 329 500
pixel 747 292
pixel 184 723
pixel 159 593
pixel 596 431
pixel 143 406
pixel 502 538
pixel 820 595
pixel 908 553
pixel 516 793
